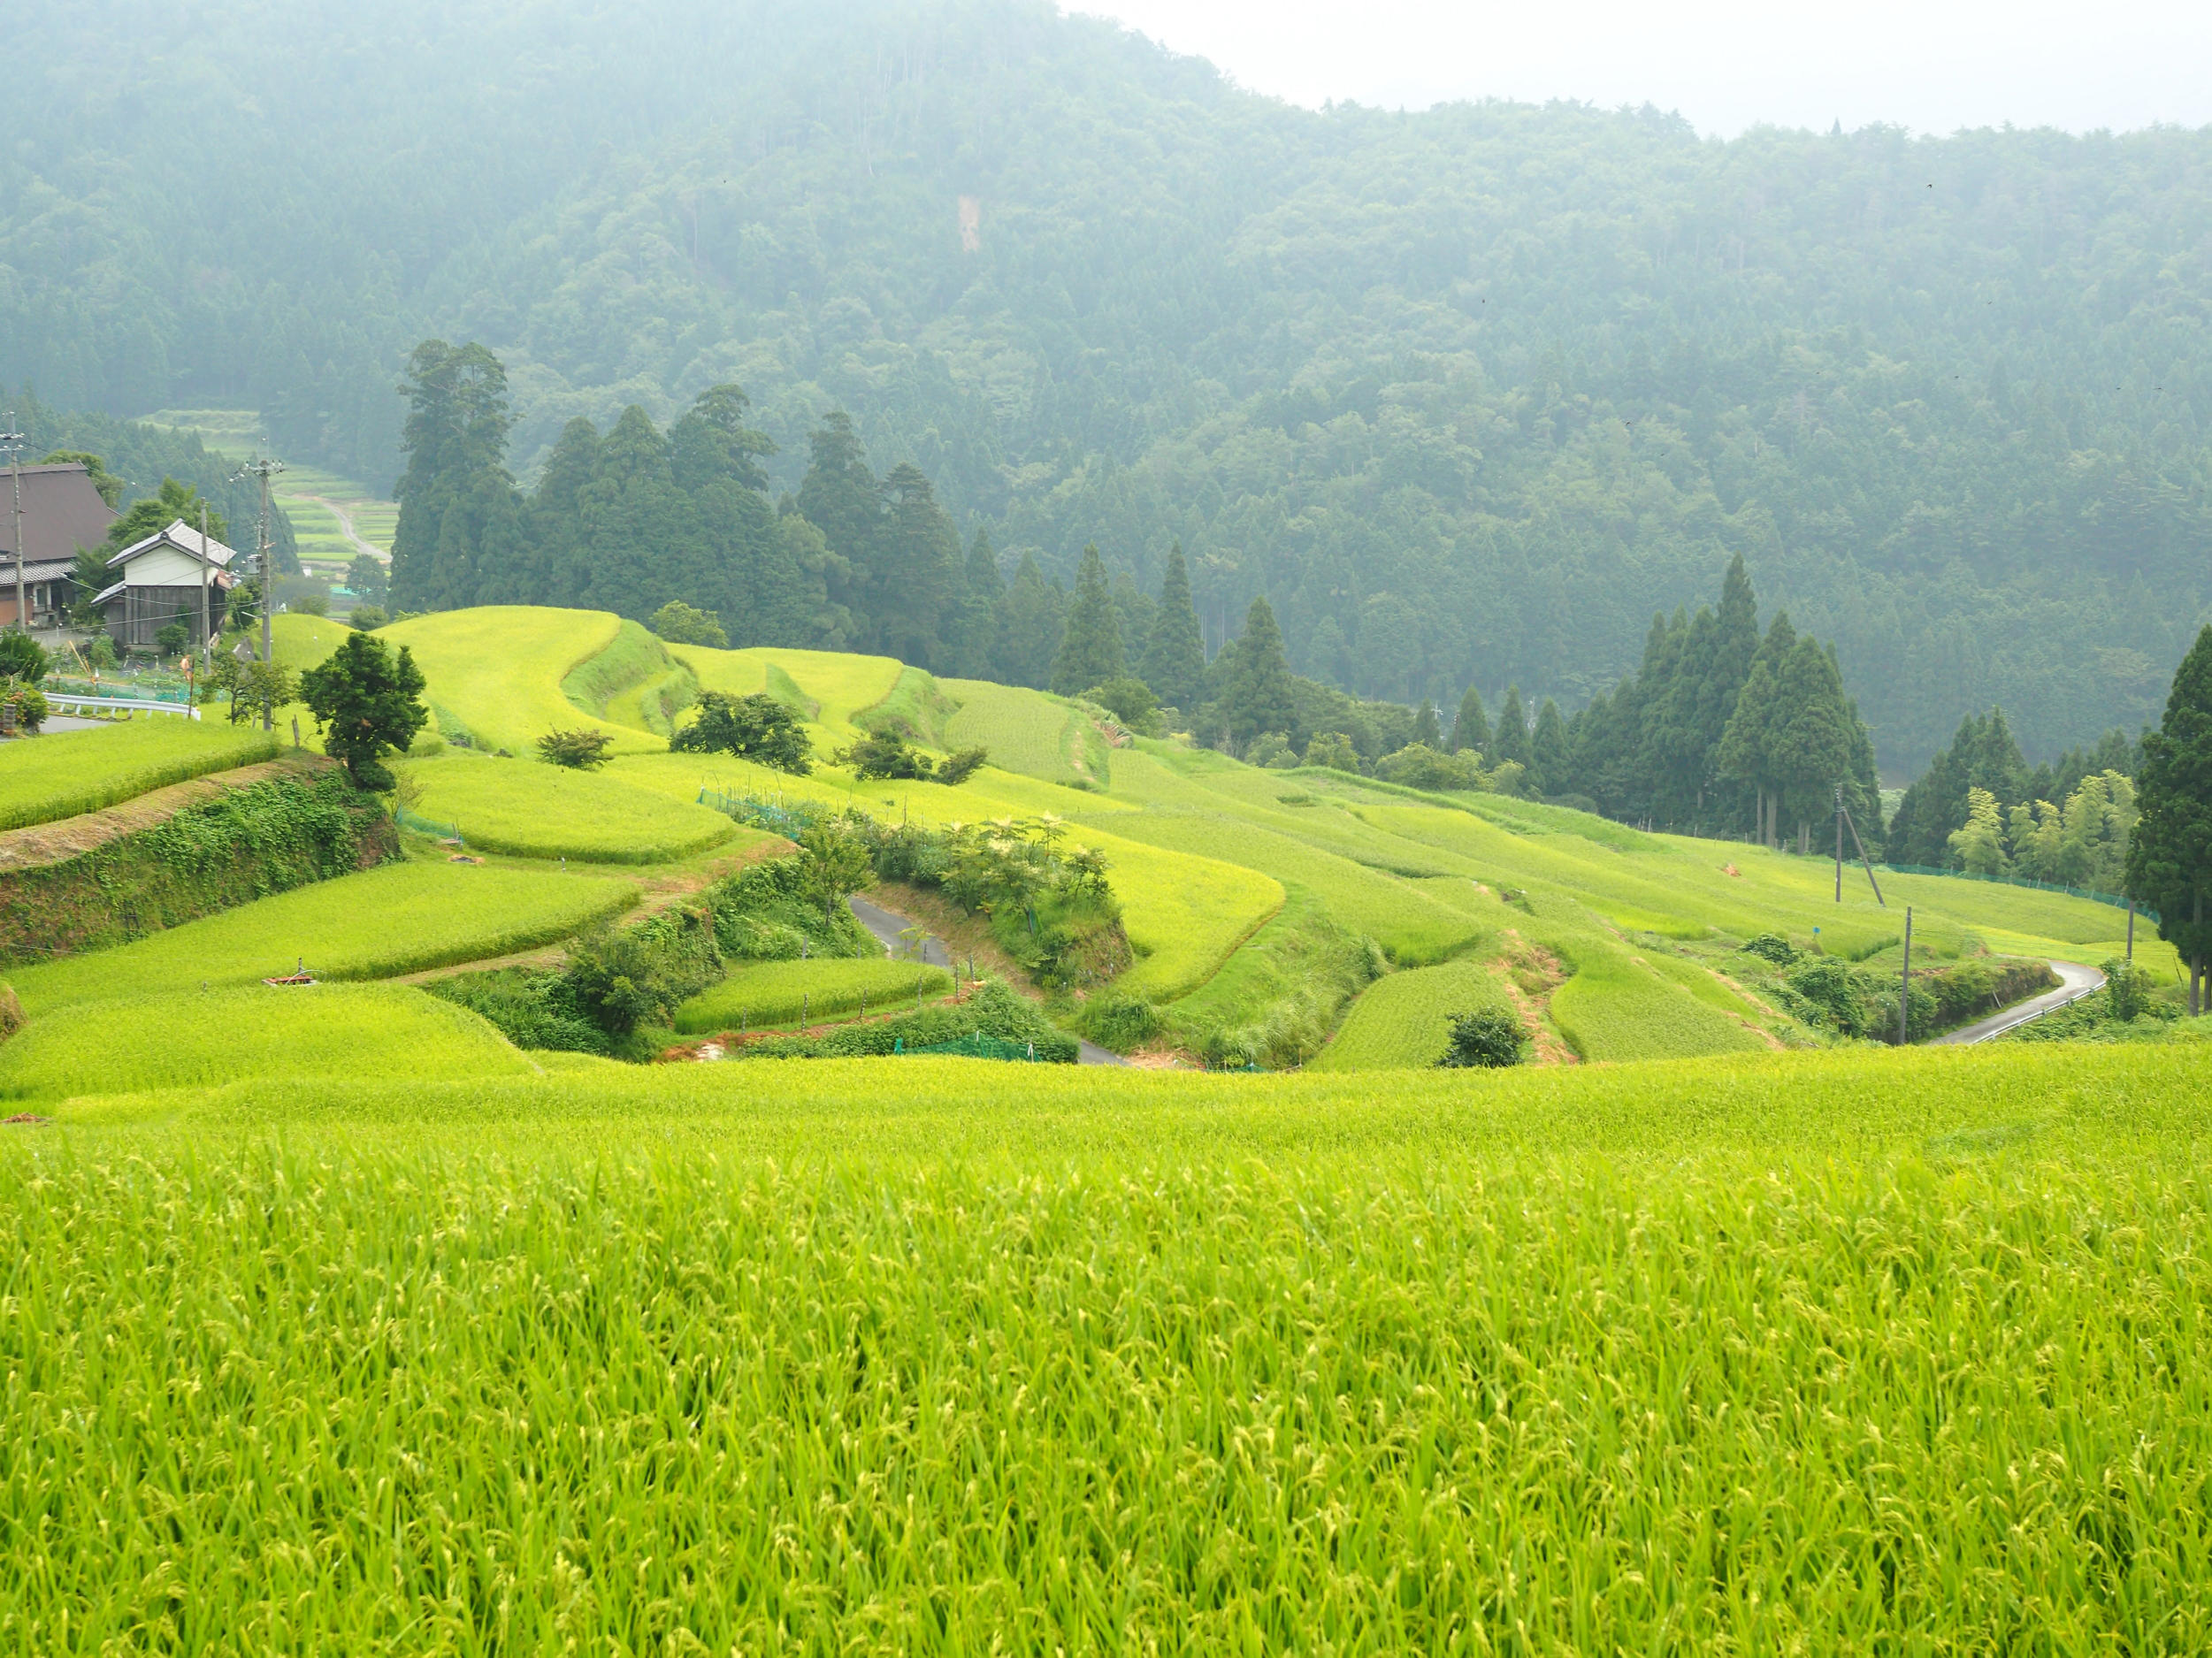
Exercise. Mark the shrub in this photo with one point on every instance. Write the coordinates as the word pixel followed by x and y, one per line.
pixel 680 623
pixel 1418 766
pixel 1334 750
pixel 27 700
pixel 1271 750
pixel 312 605
pixel 172 639
pixel 1121 1022
pixel 1490 1037
pixel 367 618
pixel 578 750
pixel 2127 989
pixel 1772 947
pixel 102 651
pixel 24 657
pixel 961 765
pixel 1130 700
pixel 620 979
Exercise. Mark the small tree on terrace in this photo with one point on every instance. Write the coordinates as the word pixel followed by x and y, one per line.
pixel 369 701
pixel 680 623
pixel 756 727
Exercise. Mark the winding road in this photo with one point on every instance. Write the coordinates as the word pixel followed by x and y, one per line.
pixel 889 928
pixel 2077 981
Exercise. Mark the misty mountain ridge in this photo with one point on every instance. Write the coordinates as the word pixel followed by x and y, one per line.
pixel 1467 394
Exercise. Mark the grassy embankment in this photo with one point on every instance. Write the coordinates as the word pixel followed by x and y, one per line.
pixel 1836 1352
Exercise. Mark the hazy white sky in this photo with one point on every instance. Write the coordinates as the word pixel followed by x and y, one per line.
pixel 1933 65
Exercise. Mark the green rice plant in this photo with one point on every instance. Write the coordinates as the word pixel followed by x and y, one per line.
pixel 1845 1352
pixel 1618 1006
pixel 774 992
pixel 1027 731
pixel 915 708
pixel 498 670
pixel 1275 1000
pixel 836 685
pixel 1403 1021
pixel 62 774
pixel 174 1039
pixel 402 917
pixel 1408 925
pixel 533 810
pixel 633 657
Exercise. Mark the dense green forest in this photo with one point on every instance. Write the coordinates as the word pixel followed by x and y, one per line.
pixel 1467 396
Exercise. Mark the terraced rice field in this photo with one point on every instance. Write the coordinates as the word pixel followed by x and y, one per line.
pixel 195 1038
pixel 1027 731
pixel 498 671
pixel 62 774
pixel 398 919
pixel 767 993
pixel 532 810
pixel 1404 1022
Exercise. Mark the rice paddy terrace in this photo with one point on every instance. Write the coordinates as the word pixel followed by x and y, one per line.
pixel 338 1319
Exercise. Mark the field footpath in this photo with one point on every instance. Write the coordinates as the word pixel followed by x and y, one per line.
pixel 39 845
pixel 2077 980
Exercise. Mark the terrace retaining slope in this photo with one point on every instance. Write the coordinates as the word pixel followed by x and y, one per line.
pixel 44 843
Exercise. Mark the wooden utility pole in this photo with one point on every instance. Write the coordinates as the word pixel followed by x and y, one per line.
pixel 264 469
pixel 1905 986
pixel 11 441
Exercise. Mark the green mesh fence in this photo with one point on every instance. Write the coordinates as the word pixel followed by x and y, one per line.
pixel 976 1047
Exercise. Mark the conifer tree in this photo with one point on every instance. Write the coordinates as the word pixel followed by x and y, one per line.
pixel 2169 853
pixel 1175 657
pixel 1811 747
pixel 1747 748
pixel 1091 650
pixel 1256 695
pixel 921 573
pixel 1029 624
pixel 457 500
pixel 1549 760
pixel 841 498
pixel 983 591
pixel 1427 729
pixel 1471 729
pixel 1511 740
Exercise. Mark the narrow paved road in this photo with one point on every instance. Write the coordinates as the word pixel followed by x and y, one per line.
pixel 889 925
pixel 2077 983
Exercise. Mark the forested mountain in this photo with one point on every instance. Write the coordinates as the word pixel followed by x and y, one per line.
pixel 1467 395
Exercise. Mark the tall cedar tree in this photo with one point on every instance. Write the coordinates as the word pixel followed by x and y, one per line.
pixel 1510 741
pixel 841 497
pixel 458 507
pixel 1548 761
pixel 983 592
pixel 2169 855
pixel 1810 744
pixel 1175 657
pixel 1030 623
pixel 1472 728
pixel 1427 729
pixel 1091 650
pixel 1747 748
pixel 923 573
pixel 1257 695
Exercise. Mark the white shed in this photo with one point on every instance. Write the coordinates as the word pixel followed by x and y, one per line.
pixel 163 577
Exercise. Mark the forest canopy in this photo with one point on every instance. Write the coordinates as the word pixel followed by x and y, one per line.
pixel 1465 395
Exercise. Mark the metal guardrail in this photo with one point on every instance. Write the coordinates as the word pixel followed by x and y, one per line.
pixel 62 701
